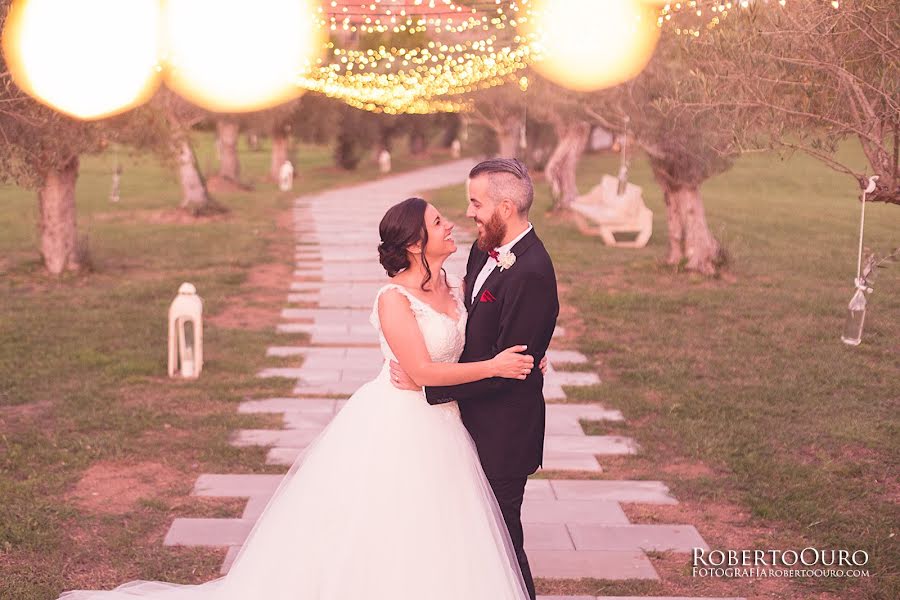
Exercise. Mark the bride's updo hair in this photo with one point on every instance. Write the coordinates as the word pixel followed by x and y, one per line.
pixel 402 226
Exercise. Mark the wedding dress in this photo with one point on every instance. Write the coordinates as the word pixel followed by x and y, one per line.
pixel 389 502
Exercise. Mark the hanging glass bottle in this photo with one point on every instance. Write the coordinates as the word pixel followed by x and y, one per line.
pixel 856 316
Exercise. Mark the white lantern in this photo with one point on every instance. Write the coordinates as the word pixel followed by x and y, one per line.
pixel 186 333
pixel 455 148
pixel 286 176
pixel 384 161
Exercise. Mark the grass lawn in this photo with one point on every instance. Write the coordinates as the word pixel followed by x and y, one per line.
pixel 769 430
pixel 98 448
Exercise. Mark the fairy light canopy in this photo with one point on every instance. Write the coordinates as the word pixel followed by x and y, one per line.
pixel 394 56
pixel 416 56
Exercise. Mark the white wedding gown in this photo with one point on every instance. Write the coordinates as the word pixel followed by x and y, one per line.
pixel 389 502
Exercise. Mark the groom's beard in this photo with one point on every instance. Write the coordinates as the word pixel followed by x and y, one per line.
pixel 493 233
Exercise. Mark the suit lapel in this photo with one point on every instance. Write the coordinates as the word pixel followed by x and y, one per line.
pixel 518 249
pixel 471 278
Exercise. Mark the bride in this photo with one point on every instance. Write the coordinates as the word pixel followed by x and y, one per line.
pixel 390 501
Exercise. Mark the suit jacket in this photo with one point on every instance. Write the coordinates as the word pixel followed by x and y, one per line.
pixel 506 417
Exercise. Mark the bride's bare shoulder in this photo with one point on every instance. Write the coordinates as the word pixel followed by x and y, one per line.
pixel 393 298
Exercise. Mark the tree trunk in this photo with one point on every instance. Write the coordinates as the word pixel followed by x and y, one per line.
pixel 280 151
pixel 451 129
pixel 194 196
pixel 508 137
pixel 227 132
pixel 676 232
pixel 690 240
pixel 562 167
pixel 59 232
pixel 418 142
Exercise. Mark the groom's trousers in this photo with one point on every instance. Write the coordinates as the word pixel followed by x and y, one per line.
pixel 510 493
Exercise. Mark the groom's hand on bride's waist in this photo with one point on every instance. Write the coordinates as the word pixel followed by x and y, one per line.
pixel 401 380
pixel 543 365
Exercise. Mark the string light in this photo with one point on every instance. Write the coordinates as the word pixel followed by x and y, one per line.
pixel 432 77
pixel 438 77
pixel 469 45
pixel 718 10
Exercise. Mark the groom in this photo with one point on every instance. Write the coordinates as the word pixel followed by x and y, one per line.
pixel 510 293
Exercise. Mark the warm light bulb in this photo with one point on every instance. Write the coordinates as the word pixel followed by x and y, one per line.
pixel 88 59
pixel 235 56
pixel 589 44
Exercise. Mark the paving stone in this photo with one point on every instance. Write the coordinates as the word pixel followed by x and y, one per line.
pixel 229 559
pixel 332 333
pixel 288 372
pixel 570 461
pixel 553 392
pixel 306 286
pixel 236 485
pixel 539 489
pixel 289 438
pixel 284 351
pixel 547 536
pixel 575 564
pixel 282 456
pixel 587 412
pixel 565 356
pixel 646 537
pixel 573 378
pixel 343 388
pixel 280 405
pixel 304 376
pixel 588 512
pixel 336 316
pixel 647 492
pixel 297 420
pixel 557 424
pixel 255 507
pixel 295 328
pixel 207 532
pixel 590 444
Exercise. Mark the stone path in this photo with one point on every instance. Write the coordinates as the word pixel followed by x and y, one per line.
pixel 574 528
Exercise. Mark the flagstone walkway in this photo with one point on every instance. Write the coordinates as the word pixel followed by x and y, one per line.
pixel 574 528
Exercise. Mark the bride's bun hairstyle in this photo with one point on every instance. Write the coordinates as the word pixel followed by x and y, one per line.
pixel 402 226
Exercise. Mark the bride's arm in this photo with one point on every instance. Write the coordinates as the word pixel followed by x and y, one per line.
pixel 401 330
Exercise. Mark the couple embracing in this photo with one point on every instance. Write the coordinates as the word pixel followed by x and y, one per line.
pixel 414 491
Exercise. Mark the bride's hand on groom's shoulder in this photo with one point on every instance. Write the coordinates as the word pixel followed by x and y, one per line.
pixel 401 380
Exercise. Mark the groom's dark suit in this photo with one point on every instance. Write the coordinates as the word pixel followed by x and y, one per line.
pixel 505 417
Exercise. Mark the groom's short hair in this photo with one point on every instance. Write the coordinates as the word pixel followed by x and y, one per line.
pixel 507 178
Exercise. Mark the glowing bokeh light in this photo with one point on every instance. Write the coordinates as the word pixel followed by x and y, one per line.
pixel 88 59
pixel 587 45
pixel 237 56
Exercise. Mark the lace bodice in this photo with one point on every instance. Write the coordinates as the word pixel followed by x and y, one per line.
pixel 443 336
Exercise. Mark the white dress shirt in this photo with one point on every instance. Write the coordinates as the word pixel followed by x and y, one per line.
pixel 491 262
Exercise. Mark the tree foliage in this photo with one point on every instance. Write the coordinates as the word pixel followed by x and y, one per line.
pixel 814 76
